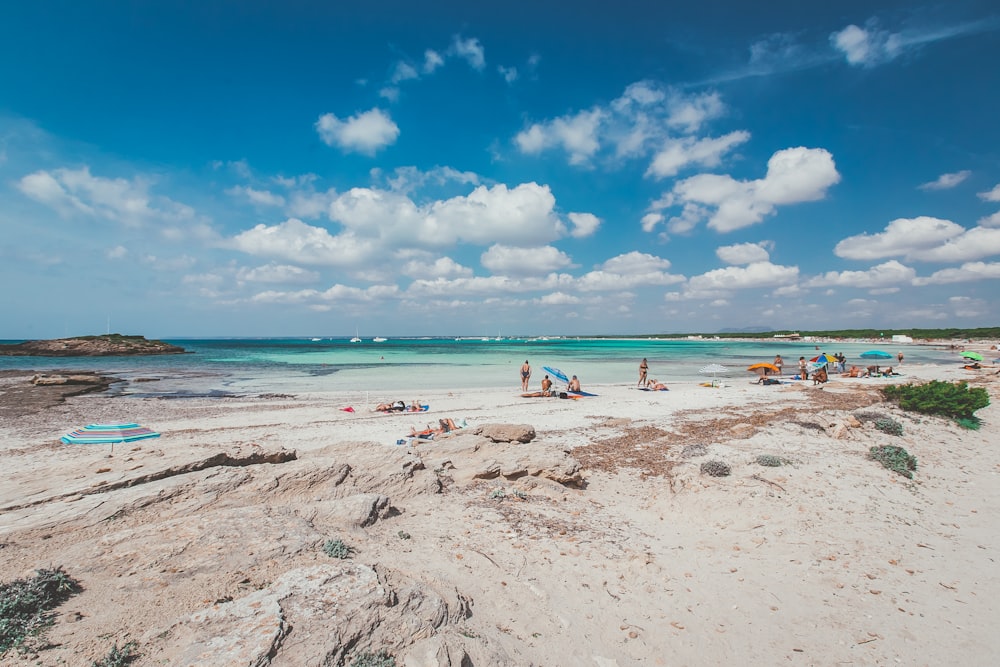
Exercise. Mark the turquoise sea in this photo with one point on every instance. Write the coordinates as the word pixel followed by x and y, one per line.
pixel 297 365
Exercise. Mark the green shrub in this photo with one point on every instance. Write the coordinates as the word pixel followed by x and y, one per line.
pixel 770 460
pixel 894 458
pixel 971 423
pixel 118 657
pixel 366 659
pixel 890 426
pixel 337 549
pixel 26 606
pixel 939 398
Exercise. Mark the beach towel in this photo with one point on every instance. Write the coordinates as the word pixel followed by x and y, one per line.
pixel 707 384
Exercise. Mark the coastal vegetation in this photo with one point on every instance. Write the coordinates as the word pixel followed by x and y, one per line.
pixel 337 549
pixel 26 607
pixel 956 400
pixel 90 346
pixel 895 459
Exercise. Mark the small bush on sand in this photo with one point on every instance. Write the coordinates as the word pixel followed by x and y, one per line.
pixel 716 468
pixel 947 399
pixel 890 426
pixel 26 606
pixel 366 659
pixel 692 451
pixel 118 657
pixel 971 423
pixel 337 549
pixel 894 458
pixel 770 460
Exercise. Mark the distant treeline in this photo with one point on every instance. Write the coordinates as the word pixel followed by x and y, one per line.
pixel 957 334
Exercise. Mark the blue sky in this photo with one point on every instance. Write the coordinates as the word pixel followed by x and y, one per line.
pixel 247 169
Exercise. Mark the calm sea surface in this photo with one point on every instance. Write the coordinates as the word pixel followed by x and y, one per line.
pixel 244 366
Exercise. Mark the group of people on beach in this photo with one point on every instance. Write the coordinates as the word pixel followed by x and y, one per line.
pixel 572 385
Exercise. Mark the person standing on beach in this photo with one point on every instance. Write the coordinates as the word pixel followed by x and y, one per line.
pixel 778 362
pixel 803 373
pixel 643 373
pixel 525 375
pixel 900 357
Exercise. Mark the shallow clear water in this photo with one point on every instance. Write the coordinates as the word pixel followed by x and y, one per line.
pixel 239 366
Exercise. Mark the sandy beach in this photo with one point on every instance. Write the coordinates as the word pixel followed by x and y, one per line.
pixel 545 532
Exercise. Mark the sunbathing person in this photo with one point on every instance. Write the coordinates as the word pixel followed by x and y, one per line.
pixel 416 406
pixel 656 385
pixel 546 385
pixel 855 372
pixel 574 384
pixel 820 376
pixel 446 425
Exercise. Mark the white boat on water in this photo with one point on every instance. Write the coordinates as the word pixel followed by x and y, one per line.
pixel 379 339
pixel 357 338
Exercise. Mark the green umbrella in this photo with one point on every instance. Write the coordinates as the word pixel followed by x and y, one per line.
pixel 975 356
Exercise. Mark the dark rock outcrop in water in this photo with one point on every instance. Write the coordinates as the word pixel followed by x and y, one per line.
pixel 90 346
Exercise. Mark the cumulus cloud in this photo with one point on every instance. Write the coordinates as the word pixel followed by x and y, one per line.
pixel 650 221
pixel 121 200
pixel 501 259
pixel 754 275
pixel 685 151
pixel 868 46
pixel 295 241
pixel 884 275
pixel 794 175
pixel 442 267
pixel 645 118
pixel 509 74
pixel 925 239
pixel 627 271
pixel 584 224
pixel 256 197
pixel 469 49
pixel 946 181
pixel 577 135
pixel 969 272
pixel 432 60
pixel 990 220
pixel 403 72
pixel 744 253
pixel 991 195
pixel 364 133
pixel 276 273
pixel 522 216
pixel 558 299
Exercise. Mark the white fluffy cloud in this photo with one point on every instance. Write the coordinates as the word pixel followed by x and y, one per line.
pixel 889 274
pixel 256 197
pixel 924 238
pixel 754 275
pixel 627 271
pixel 121 200
pixel 645 118
pixel 867 47
pixel 685 151
pixel 365 133
pixel 991 195
pixel 277 273
pixel 442 267
pixel 505 260
pixel 584 224
pixel 990 220
pixel 471 50
pixel 522 216
pixel 946 181
pixel 793 175
pixel 744 253
pixel 969 272
pixel 577 135
pixel 295 241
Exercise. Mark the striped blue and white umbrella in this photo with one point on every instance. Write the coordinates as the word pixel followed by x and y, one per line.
pixel 95 434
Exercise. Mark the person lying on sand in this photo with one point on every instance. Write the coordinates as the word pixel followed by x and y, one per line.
pixel 395 406
pixel 656 385
pixel 855 372
pixel 446 425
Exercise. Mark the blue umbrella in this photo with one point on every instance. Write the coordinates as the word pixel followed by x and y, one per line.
pixel 556 373
pixel 875 354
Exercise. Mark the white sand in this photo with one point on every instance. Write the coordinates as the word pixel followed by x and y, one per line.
pixel 830 559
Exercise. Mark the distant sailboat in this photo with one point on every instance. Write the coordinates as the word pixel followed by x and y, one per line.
pixel 357 338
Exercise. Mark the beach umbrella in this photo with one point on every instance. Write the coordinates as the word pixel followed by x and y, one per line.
pixel 824 358
pixel 713 370
pixel 93 434
pixel 975 356
pixel 556 373
pixel 763 368
pixel 875 354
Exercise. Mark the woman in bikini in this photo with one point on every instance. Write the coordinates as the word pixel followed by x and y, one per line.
pixel 525 375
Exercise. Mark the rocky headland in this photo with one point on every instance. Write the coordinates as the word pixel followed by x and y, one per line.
pixel 111 345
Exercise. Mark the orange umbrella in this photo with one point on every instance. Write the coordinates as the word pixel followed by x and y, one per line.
pixel 763 368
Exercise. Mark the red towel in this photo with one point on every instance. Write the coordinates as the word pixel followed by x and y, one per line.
pixel 348 409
